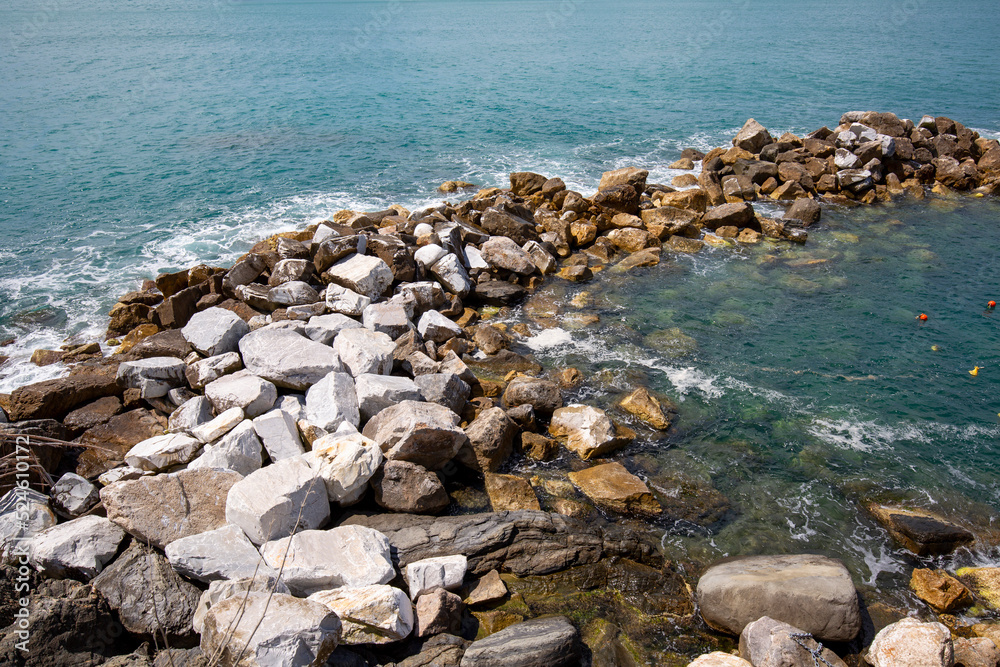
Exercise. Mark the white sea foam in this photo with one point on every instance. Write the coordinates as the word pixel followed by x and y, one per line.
pixel 864 436
pixel 549 338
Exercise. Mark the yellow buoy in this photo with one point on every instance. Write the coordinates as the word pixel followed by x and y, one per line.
pixel 935 348
pixel 974 371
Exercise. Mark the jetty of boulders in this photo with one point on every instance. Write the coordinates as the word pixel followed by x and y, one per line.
pixel 257 474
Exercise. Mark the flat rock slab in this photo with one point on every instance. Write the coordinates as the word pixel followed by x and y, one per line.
pixel 77 548
pixel 287 358
pixel 148 595
pixel 921 532
pixel 215 331
pixel 162 508
pixel 813 592
pixel 163 451
pixel 223 553
pixel 524 542
pixel 551 641
pixel 613 487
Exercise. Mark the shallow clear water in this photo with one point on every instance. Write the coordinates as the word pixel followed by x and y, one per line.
pixel 145 136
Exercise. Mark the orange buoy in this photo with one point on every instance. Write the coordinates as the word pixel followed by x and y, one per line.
pixel 922 317
pixel 991 304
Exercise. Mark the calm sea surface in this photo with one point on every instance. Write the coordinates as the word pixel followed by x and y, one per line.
pixel 145 136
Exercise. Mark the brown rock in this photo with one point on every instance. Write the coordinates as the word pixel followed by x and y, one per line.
pixel 176 310
pixel 46 357
pixel 539 447
pixel 684 180
pixel 544 396
pixel 693 199
pixel 666 221
pixel 490 339
pixel 632 176
pixel 108 443
pixel 491 439
pixel 621 198
pixel 524 183
pixel 736 215
pixel 93 414
pixel 454 186
pixel 920 531
pixel 940 590
pixel 52 399
pixel 163 344
pixel 683 163
pixel 682 244
pixel 647 257
pixel 630 239
pixel 788 191
pixel 711 185
pixel 646 408
pixel 438 611
pixel 127 316
pixel 510 492
pixel 489 588
pixel 135 336
pixel 752 137
pixel 170 284
pixel 806 211
pixel 614 488
pixel 582 233
pixel 975 652
pixel 401 486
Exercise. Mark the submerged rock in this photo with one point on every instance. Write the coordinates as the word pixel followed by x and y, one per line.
pixel 541 642
pixel 612 487
pixel 921 532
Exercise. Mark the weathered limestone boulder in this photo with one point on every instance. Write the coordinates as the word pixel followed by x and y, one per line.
pixel 345 463
pixel 447 572
pixel 422 433
pixel 921 532
pixel 239 450
pixel 549 641
pixel 316 560
pixel 340 300
pixel 626 176
pixel 205 371
pixel 738 214
pixel 752 136
pixel 218 427
pixel 388 318
pixel 524 542
pixel 222 553
pixel 505 254
pixel 215 331
pixel 333 401
pixel 491 440
pixel 438 612
pixel 279 434
pixel 402 486
pixel 278 499
pixel 910 642
pixel 770 643
pixel 364 274
pixel 510 492
pixel 23 513
pixel 147 594
pixel 220 590
pixel 153 377
pixel 270 631
pixel 589 432
pixel 77 548
pixel 163 451
pixel 445 389
pixel 73 495
pixel 542 395
pixel 162 508
pixel 287 358
pixel 293 293
pixel 253 394
pixel 438 328
pixel 324 328
pixel 814 592
pixel 378 392
pixel 719 659
pixel 940 590
pixel 364 351
pixel 377 614
pixel 975 652
pixel 452 275
pixel 645 407
pixel 614 488
pixel 190 414
pixel 428 255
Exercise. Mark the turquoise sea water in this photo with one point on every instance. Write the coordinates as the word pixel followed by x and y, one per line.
pixel 145 136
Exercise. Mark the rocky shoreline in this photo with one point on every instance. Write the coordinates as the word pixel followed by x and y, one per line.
pixel 273 466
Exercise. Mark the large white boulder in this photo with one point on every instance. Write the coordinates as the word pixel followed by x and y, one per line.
pixel 276 500
pixel 253 394
pixel 223 553
pixel 377 392
pixel 315 560
pixel 163 451
pixel 332 401
pixel 215 331
pixel 912 642
pixel 220 590
pixel 204 371
pixel 345 462
pixel 240 450
pixel 369 614
pixel 364 351
pixel 324 328
pixel 446 572
pixel 73 494
pixel 277 430
pixel 452 275
pixel 81 547
pixel 287 358
pixel 344 301
pixel 436 327
pixel 193 412
pixel 366 275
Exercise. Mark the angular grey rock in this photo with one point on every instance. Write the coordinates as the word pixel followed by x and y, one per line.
pixel 316 560
pixel 192 413
pixel 215 331
pixel 364 351
pixel 438 611
pixel 491 440
pixel 73 495
pixel 451 363
pixel 153 377
pixel 290 270
pixel 446 572
pixel 293 404
pixel 422 296
pixel 287 358
pixel 246 270
pixel 77 548
pixel 428 255
pixel 160 509
pixel 445 389
pixel 240 450
pixel 863 132
pixel 543 260
pixel 147 594
pixel 333 401
pixel 338 247
pixel 205 371
pixel 452 275
pixel 223 589
pixel 422 433
pixel 253 394
pixel 549 641
pixel 23 514
pixel 370 614
pixel 770 643
pixel 503 253
pixel 523 542
pixel 845 159
pixel 223 553
pixel 272 502
pixel 270 631
pixel 813 592
pixel 438 328
pixel 307 311
pixel 855 180
pixel 368 276
pixel 752 137
pixel 378 392
pixel 542 395
pixel 345 463
pixel 293 293
pixel 279 434
pixel 402 486
pixel 218 427
pixel 324 328
pixel 475 260
pixel 388 318
pixel 344 301
pixel 163 451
